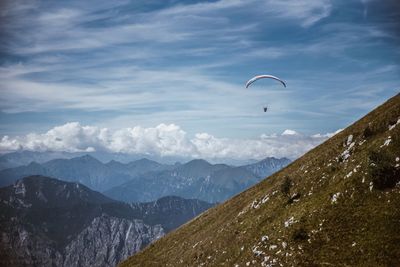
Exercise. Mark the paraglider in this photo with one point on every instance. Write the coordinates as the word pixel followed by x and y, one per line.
pixel 252 80
pixel 265 76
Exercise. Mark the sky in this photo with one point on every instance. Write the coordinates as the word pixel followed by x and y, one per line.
pixel 167 77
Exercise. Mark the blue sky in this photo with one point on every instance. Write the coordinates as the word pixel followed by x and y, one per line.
pixel 125 64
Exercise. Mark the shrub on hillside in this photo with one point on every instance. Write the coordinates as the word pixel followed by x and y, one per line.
pixel 368 132
pixel 300 234
pixel 376 127
pixel 286 185
pixel 382 170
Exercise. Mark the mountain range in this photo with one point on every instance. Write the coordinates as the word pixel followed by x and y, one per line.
pixel 24 157
pixel 86 170
pixel 48 222
pixel 145 180
pixel 21 158
pixel 338 205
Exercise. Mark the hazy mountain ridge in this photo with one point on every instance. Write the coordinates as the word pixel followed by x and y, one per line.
pixel 22 158
pixel 25 157
pixel 335 206
pixel 48 222
pixel 196 179
pixel 86 170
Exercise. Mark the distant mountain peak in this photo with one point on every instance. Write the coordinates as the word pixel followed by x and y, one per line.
pixel 34 164
pixel 144 160
pixel 86 157
pixel 198 162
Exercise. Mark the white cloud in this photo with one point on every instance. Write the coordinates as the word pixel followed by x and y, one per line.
pixel 162 140
pixel 327 135
pixel 289 132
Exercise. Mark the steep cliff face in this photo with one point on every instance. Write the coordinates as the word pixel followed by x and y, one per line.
pixel 108 240
pixel 105 242
pixel 21 246
pixel 47 222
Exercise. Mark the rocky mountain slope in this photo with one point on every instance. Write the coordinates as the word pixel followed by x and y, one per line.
pixel 338 205
pixel 47 222
pixel 196 179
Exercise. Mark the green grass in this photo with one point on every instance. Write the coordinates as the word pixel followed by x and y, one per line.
pixel 360 228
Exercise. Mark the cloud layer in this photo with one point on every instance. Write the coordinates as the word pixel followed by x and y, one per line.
pixel 162 140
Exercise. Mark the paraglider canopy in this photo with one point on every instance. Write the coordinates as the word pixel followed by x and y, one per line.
pixel 252 80
pixel 265 76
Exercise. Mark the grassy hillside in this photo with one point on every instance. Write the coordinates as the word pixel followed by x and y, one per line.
pixel 338 205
